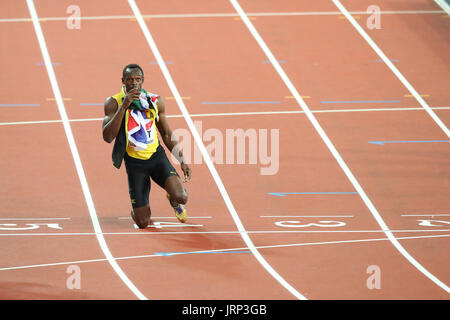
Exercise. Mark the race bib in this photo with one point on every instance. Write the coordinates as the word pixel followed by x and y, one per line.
pixel 151 134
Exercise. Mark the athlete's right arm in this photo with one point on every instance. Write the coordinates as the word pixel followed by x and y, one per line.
pixel 113 118
pixel 114 114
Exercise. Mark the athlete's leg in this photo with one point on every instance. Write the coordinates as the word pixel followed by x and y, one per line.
pixel 139 189
pixel 141 216
pixel 174 187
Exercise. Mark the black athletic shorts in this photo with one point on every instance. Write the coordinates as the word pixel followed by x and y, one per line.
pixel 140 171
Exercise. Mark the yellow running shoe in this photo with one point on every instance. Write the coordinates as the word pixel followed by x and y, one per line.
pixel 180 211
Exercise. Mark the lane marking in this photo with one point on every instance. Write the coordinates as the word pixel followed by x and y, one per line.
pixel 392 60
pixel 425 215
pixel 233 114
pixel 20 219
pixel 283 194
pixel 407 141
pixel 74 150
pixel 411 96
pixel 129 218
pixel 224 15
pixel 166 62
pixel 362 101
pixel 279 61
pixel 205 153
pixel 241 102
pixel 292 97
pixel 399 75
pixel 63 99
pixel 40 63
pixel 19 105
pixel 173 98
pixel 306 216
pixel 218 250
pixel 354 17
pixel 444 5
pixel 328 142
pixel 170 254
pixel 438 121
pixel 239 18
pixel 152 233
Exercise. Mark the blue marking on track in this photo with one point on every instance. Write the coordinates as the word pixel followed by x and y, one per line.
pixel 20 105
pixel 407 141
pixel 282 194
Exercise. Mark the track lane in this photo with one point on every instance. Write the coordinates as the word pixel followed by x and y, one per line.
pixel 352 164
pixel 143 280
pixel 236 172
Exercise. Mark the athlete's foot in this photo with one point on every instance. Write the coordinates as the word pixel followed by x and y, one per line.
pixel 180 210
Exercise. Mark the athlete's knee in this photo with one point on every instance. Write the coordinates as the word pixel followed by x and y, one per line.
pixel 180 196
pixel 141 218
pixel 142 223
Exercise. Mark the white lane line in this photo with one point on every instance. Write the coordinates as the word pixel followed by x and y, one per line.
pixel 224 15
pixel 162 233
pixel 425 215
pixel 219 250
pixel 33 219
pixel 306 216
pixel 330 145
pixel 444 5
pixel 205 153
pixel 393 68
pixel 232 114
pixel 129 218
pixel 74 150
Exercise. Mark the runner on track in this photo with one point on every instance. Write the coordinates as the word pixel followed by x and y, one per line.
pixel 130 118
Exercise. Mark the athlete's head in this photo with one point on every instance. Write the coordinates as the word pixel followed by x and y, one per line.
pixel 132 76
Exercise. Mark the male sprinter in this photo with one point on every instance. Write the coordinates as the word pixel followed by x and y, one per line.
pixel 130 119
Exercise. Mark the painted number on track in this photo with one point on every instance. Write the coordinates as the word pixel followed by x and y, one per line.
pixel 298 224
pixel 30 226
pixel 433 223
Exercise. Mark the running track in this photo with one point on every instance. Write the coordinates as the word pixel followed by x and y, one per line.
pixel 388 201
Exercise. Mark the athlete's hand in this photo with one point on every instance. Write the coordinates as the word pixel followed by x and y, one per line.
pixel 186 171
pixel 133 94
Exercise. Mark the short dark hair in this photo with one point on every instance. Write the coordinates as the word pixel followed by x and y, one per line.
pixel 131 66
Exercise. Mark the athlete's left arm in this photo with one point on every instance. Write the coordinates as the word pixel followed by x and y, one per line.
pixel 170 140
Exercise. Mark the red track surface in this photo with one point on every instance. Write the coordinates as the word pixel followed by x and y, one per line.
pixel 214 59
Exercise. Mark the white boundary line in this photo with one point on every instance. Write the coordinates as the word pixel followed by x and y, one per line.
pixel 74 150
pixel 444 5
pixel 330 145
pixel 219 250
pixel 306 216
pixel 425 215
pixel 392 67
pixel 143 233
pixel 224 15
pixel 233 114
pixel 205 154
